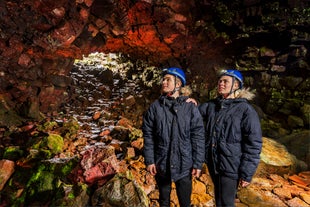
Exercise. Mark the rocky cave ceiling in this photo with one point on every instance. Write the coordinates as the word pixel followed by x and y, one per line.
pixel 157 31
pixel 162 32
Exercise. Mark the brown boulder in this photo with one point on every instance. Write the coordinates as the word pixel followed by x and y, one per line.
pixel 275 159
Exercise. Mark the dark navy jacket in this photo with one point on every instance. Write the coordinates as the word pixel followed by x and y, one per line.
pixel 233 137
pixel 174 137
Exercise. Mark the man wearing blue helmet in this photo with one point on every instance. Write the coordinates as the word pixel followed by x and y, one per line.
pixel 229 76
pixel 173 73
pixel 233 137
pixel 173 139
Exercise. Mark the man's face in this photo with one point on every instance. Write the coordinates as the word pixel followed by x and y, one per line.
pixel 168 83
pixel 224 85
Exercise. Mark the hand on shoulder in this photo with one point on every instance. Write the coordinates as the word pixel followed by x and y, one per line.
pixel 191 100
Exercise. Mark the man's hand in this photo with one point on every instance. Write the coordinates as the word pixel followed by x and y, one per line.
pixel 151 169
pixel 196 173
pixel 243 183
pixel 191 100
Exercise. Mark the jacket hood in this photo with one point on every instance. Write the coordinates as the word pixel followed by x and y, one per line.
pixel 245 93
pixel 185 91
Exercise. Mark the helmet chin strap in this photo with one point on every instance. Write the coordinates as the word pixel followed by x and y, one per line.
pixel 232 86
pixel 172 92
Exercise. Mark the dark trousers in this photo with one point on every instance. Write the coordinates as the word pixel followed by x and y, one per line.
pixel 183 188
pixel 225 190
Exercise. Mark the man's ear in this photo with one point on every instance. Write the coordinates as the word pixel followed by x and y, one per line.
pixel 178 83
pixel 236 84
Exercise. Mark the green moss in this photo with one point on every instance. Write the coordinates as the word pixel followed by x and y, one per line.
pixel 69 166
pixel 45 184
pixel 41 185
pixel 55 143
pixel 37 143
pixel 71 195
pixel 135 134
pixel 47 126
pixel 45 147
pixel 13 153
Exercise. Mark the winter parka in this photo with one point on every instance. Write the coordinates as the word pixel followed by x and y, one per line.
pixel 233 136
pixel 174 137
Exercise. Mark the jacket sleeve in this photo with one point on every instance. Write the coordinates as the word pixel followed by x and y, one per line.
pixel 147 129
pixel 197 138
pixel 251 144
pixel 203 111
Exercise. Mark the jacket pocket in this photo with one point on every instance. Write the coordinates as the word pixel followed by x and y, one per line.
pixel 230 155
pixel 185 152
pixel 161 158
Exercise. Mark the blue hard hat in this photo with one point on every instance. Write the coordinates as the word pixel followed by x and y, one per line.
pixel 233 73
pixel 177 72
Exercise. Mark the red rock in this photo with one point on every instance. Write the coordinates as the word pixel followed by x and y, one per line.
pixel 28 127
pixel 96 115
pixel 279 179
pixel 303 181
pixel 297 202
pixel 84 14
pixel 294 189
pixel 137 144
pixel 305 197
pixel 130 152
pixel 59 12
pixel 105 132
pixel 130 100
pixel 125 123
pixel 88 2
pixel 7 168
pixel 99 172
pixel 283 193
pixel 24 60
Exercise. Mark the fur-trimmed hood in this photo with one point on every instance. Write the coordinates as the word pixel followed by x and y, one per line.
pixel 185 91
pixel 244 93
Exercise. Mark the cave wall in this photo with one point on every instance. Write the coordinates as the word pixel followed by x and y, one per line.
pixel 39 40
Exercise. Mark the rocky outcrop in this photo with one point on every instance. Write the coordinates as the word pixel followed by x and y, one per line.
pixel 275 159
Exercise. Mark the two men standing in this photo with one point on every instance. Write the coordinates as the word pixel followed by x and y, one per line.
pixel 176 144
